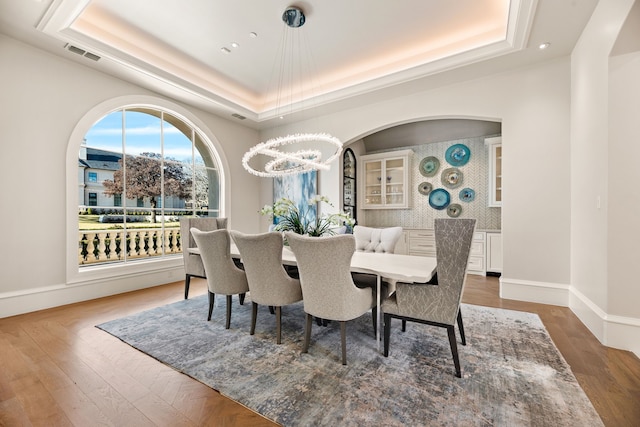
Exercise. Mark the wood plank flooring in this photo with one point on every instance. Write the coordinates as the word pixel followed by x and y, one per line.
pixel 57 369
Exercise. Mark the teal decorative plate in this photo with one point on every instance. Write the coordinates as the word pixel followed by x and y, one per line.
pixel 439 198
pixel 425 188
pixel 429 166
pixel 458 155
pixel 467 195
pixel 451 178
pixel 454 210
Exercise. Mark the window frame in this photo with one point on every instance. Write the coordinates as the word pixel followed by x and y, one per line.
pixel 89 274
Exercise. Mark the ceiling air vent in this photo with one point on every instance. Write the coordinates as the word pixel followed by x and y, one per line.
pixel 82 52
pixel 238 116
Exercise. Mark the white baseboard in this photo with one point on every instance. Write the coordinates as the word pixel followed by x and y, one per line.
pixel 611 330
pixel 14 303
pixel 530 291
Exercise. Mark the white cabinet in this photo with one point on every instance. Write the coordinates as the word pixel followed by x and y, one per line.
pixel 495 171
pixel 384 180
pixel 494 252
pixel 402 247
pixel 423 243
pixel 477 254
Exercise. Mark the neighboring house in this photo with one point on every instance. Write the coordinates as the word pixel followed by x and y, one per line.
pixel 94 167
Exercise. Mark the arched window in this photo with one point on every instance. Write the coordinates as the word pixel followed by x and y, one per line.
pixel 140 169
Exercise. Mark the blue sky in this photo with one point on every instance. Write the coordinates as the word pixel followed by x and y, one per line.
pixel 143 134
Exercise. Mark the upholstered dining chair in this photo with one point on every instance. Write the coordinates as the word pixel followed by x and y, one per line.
pixel 328 291
pixel 380 240
pixel 269 283
pixel 437 305
pixel 223 276
pixel 193 266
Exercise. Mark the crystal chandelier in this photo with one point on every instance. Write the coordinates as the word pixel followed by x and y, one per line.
pixel 280 154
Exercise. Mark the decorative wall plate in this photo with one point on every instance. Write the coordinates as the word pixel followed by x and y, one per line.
pixel 454 210
pixel 467 195
pixel 439 198
pixel 458 155
pixel 429 166
pixel 451 177
pixel 425 188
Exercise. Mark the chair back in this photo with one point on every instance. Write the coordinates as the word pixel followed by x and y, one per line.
pixel 261 255
pixel 203 224
pixel 453 246
pixel 440 303
pixel 381 240
pixel 223 277
pixel 324 265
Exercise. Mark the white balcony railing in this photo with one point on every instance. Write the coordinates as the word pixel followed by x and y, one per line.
pixel 113 245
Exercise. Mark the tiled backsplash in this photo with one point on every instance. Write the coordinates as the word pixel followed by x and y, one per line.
pixel 421 215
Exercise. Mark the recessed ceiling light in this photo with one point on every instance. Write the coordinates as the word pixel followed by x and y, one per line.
pixel 225 50
pixel 544 45
pixel 235 45
pixel 253 35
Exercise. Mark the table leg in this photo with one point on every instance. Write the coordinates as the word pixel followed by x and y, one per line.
pixel 378 286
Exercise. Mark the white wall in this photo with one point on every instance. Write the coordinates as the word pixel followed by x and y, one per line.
pixel 624 176
pixel 604 139
pixel 43 98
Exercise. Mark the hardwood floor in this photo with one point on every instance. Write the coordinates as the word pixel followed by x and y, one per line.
pixel 58 369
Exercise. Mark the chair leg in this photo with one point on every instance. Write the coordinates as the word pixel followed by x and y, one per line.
pixel 242 295
pixel 228 324
pixel 187 282
pixel 374 316
pixel 451 331
pixel 404 325
pixel 307 333
pixel 387 333
pixel 343 339
pixel 254 316
pixel 461 328
pixel 212 300
pixel 278 324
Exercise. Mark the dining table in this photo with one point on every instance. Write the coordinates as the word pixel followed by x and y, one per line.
pixel 389 266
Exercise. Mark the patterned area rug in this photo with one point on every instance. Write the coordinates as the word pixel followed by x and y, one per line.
pixel 512 373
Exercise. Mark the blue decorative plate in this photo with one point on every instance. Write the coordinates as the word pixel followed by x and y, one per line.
pixel 429 166
pixel 439 198
pixel 458 155
pixel 425 188
pixel 451 177
pixel 454 210
pixel 467 195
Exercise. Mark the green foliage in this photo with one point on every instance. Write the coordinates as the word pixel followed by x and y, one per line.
pixel 290 218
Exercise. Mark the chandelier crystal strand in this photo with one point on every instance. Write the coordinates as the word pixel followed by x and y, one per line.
pixel 289 162
pixel 292 162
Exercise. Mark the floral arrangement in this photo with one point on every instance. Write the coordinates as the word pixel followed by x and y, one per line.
pixel 291 218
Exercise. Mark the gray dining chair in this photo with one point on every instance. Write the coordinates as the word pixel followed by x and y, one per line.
pixel 193 266
pixel 328 291
pixel 379 240
pixel 269 283
pixel 437 305
pixel 223 276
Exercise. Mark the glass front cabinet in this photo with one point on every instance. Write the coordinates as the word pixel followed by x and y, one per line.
pixel 384 180
pixel 349 183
